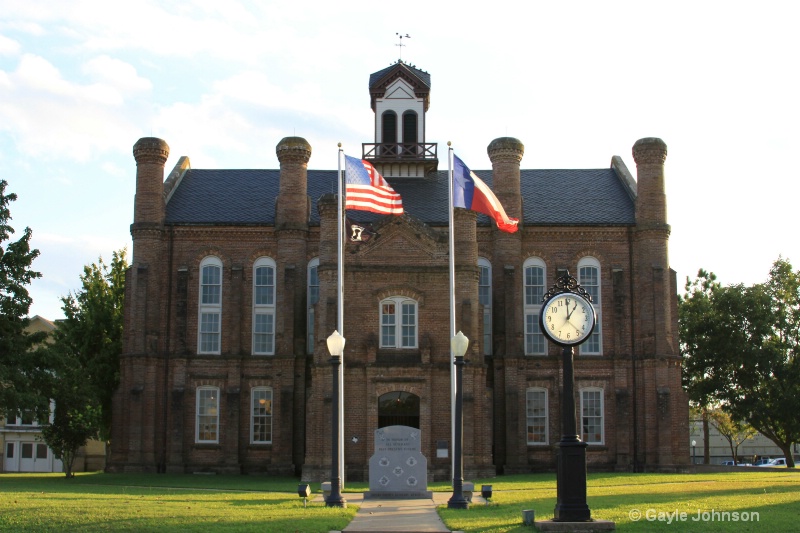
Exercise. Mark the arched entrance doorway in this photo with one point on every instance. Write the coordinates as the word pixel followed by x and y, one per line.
pixel 398 408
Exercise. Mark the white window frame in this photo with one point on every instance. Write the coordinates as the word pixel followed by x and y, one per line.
pixel 594 344
pixel 312 290
pixel 207 407
pixel 485 283
pixel 209 310
pixel 395 322
pixel 587 404
pixel 257 396
pixel 264 309
pixel 545 416
pixel 532 307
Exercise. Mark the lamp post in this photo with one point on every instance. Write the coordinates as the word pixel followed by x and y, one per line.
pixel 458 347
pixel 694 460
pixel 336 348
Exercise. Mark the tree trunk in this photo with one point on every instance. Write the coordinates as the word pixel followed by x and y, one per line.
pixel 787 452
pixel 706 432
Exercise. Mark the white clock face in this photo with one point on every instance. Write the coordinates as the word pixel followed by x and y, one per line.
pixel 567 319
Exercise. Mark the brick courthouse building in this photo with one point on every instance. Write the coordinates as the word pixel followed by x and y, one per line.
pixel 231 294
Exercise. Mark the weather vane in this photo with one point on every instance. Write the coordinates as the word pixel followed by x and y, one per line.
pixel 401 45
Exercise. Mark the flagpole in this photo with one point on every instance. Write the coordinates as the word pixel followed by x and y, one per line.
pixel 340 309
pixel 452 309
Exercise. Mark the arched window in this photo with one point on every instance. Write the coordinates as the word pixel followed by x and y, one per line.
pixel 592 415
pixel 485 299
pixel 534 289
pixel 537 415
pixel 210 306
pixel 410 127
pixel 389 127
pixel 264 306
pixel 313 298
pixel 261 415
pixel 398 323
pixel 398 408
pixel 207 415
pixel 589 278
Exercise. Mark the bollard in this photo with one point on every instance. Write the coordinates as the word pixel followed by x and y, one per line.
pixel 528 517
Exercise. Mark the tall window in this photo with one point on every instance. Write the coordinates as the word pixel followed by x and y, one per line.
pixel 534 276
pixel 389 129
pixel 398 323
pixel 589 278
pixel 536 406
pixel 207 425
pixel 264 306
pixel 261 415
pixel 592 415
pixel 485 299
pixel 410 127
pixel 210 312
pixel 313 298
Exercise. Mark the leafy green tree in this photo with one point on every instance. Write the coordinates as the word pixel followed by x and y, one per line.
pixel 765 374
pixel 77 414
pixel 22 372
pixel 91 333
pixel 700 352
pixel 740 349
pixel 731 430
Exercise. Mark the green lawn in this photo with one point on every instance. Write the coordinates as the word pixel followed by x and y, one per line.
pixel 153 502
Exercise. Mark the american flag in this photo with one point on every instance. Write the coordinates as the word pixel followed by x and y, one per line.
pixel 366 190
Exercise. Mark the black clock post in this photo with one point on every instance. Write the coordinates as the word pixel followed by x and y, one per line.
pixel 571 503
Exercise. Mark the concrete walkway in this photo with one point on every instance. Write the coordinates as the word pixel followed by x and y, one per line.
pixel 418 515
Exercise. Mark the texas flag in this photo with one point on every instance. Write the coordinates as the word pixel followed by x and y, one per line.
pixel 470 192
pixel 366 190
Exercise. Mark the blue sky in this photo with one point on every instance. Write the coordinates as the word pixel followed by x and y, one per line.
pixel 223 82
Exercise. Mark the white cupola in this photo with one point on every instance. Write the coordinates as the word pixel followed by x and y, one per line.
pixel 400 96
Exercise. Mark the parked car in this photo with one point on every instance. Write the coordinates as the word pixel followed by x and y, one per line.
pixel 762 461
pixel 779 461
pixel 727 463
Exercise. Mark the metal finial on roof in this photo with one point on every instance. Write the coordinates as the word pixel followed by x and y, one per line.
pixel 401 45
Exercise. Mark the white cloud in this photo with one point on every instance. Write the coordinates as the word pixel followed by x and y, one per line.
pixel 8 46
pixel 116 73
pixel 56 117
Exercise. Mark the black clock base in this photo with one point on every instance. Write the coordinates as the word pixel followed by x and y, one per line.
pixel 571 503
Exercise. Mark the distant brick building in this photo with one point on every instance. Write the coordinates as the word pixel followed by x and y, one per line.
pixel 232 292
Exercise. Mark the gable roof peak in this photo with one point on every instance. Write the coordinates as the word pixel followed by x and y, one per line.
pixel 418 77
pixel 419 80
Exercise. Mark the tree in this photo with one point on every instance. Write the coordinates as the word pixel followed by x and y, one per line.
pixel 741 351
pixel 700 353
pixel 734 432
pixel 91 333
pixel 77 413
pixel 22 372
pixel 766 375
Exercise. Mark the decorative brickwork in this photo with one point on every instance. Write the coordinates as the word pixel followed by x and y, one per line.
pixel 636 370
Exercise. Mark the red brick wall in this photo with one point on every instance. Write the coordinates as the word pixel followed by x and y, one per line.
pixel 645 409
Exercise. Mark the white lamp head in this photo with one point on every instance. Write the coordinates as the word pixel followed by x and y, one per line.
pixel 459 344
pixel 336 344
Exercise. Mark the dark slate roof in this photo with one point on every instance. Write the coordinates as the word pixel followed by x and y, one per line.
pixel 423 76
pixel 550 197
